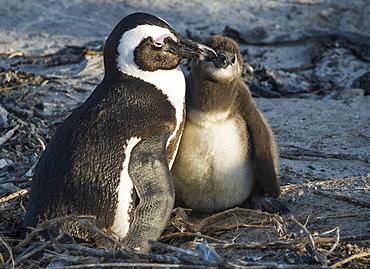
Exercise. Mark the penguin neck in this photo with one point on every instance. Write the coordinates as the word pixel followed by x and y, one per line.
pixel 210 96
pixel 163 80
pixel 172 84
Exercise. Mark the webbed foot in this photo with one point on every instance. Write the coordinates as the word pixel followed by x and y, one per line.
pixel 268 204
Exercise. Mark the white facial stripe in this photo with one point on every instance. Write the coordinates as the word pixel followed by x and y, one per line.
pixel 125 189
pixel 130 40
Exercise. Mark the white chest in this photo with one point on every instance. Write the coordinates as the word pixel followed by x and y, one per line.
pixel 212 170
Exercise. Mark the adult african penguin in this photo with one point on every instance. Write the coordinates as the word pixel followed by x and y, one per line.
pixel 112 156
pixel 227 155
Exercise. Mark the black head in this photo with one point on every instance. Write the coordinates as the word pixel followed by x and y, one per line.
pixel 148 43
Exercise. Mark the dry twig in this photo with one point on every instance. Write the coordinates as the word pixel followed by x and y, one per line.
pixel 38 79
pixel 287 188
pixel 131 265
pixel 291 244
pixel 14 195
pixel 184 234
pixel 24 257
pixel 343 198
pixel 84 220
pixel 350 258
pixel 9 249
pixel 166 247
pixel 298 152
pixel 8 134
pixel 118 254
pixel 320 257
pixel 337 238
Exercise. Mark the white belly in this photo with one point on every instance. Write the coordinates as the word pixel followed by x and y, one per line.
pixel 212 171
pixel 125 190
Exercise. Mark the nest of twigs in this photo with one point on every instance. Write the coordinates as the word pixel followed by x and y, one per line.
pixel 186 243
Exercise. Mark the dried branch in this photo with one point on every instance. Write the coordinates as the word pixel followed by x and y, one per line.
pixel 38 79
pixel 162 246
pixel 203 224
pixel 320 257
pixel 350 258
pixel 258 245
pixel 9 249
pixel 183 234
pixel 208 253
pixel 182 255
pixel 300 152
pixel 14 195
pixel 290 244
pixel 24 257
pixel 118 254
pixel 291 187
pixel 8 134
pixel 131 265
pixel 85 221
pixel 343 198
pixel 337 238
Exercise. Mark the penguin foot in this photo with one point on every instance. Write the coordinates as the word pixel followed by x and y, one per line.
pixel 268 204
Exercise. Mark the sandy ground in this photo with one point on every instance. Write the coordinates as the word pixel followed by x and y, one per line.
pixel 309 46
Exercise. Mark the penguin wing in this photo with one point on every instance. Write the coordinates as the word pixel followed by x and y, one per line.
pixel 150 174
pixel 264 154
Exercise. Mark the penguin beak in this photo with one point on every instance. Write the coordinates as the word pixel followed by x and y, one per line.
pixel 186 48
pixel 224 59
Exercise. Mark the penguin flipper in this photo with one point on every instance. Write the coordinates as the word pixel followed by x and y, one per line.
pixel 150 174
pixel 264 153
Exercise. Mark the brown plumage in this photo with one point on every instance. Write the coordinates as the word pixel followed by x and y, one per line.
pixel 228 155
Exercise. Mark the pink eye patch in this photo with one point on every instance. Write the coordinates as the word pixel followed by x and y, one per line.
pixel 159 42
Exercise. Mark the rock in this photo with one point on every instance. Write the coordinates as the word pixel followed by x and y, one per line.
pixel 9 187
pixel 3 117
pixel 5 163
pixel 346 93
pixel 261 91
pixel 362 82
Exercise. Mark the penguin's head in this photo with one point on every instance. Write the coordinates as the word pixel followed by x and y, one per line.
pixel 148 43
pixel 227 65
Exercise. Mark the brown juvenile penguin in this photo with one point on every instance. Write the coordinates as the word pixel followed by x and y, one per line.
pixel 227 155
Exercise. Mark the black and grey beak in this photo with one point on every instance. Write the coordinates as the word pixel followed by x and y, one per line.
pixel 223 60
pixel 186 48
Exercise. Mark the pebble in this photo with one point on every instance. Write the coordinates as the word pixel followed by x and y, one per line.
pixel 349 93
pixel 5 162
pixel 9 187
pixel 3 117
pixel 362 82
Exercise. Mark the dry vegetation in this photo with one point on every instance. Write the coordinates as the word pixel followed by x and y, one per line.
pixel 324 139
pixel 319 232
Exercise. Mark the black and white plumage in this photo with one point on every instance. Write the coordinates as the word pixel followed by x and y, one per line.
pixel 227 155
pixel 112 156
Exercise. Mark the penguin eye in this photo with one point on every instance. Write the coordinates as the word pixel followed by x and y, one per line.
pixel 158 44
pixel 233 60
pixel 159 41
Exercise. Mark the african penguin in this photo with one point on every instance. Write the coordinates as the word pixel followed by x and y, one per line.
pixel 227 155
pixel 112 156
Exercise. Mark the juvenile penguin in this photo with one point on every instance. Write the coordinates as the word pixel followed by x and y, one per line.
pixel 112 156
pixel 227 155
